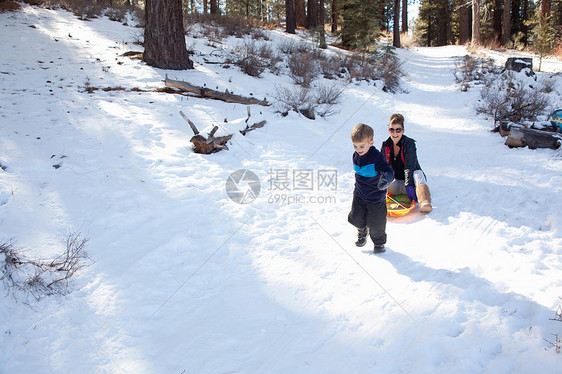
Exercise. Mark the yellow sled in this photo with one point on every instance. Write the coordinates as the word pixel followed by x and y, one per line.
pixel 399 205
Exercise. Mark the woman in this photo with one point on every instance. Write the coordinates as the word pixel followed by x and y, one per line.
pixel 400 153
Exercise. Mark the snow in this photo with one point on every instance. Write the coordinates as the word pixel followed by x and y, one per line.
pixel 185 280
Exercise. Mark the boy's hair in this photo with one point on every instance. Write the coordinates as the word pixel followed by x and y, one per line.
pixel 397 119
pixel 362 132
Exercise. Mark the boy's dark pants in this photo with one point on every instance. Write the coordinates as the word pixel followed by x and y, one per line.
pixel 371 215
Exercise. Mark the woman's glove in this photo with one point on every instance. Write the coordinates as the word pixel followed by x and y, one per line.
pixel 411 192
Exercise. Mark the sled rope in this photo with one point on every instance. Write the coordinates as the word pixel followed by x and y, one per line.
pixel 403 206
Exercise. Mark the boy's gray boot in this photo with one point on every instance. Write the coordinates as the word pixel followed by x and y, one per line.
pixel 379 248
pixel 362 236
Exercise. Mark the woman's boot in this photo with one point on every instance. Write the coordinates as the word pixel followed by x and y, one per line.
pixel 424 198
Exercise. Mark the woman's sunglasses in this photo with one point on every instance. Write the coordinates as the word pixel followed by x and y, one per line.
pixel 398 130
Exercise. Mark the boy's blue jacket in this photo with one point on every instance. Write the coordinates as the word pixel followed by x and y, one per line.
pixel 372 176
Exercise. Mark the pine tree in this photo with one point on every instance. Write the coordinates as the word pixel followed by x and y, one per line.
pixel 361 24
pixel 544 37
pixel 433 26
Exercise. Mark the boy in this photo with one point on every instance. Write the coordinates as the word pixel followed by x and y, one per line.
pixel 372 177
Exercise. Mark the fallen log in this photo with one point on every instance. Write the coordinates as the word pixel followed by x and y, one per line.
pixel 212 94
pixel 520 136
pixel 253 127
pixel 208 145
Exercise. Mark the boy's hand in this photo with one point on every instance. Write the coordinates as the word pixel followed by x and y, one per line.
pixel 385 180
pixel 411 192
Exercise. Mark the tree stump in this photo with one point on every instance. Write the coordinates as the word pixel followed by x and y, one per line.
pixel 519 63
pixel 208 145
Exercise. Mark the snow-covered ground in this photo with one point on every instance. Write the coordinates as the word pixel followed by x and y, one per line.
pixel 185 280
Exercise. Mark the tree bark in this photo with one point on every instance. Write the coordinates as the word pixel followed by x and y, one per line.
pixel 525 18
pixel 545 8
pixel 443 24
pixel 506 22
pixel 322 43
pixel 312 14
pixel 164 35
pixel 290 22
pixel 300 13
pixel 214 6
pixel 404 16
pixel 476 39
pixel 498 15
pixel 396 26
pixel 335 15
pixel 464 24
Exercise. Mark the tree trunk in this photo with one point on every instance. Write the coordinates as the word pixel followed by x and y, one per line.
pixel 516 21
pixel 214 6
pixel 164 35
pixel 545 8
pixel 429 32
pixel 213 94
pixel 476 39
pixel 322 43
pixel 498 14
pixel 396 26
pixel 525 18
pixel 506 34
pixel 291 25
pixel 464 24
pixel 443 24
pixel 312 14
pixel 300 13
pixel 404 16
pixel 335 15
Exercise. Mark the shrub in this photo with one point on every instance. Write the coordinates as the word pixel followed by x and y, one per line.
pixel 118 14
pixel 308 101
pixel 293 98
pixel 289 46
pixel 41 278
pixel 470 69
pixel 360 68
pixel 407 40
pixel 224 25
pixel 388 68
pixel 327 96
pixel 510 99
pixel 332 67
pixel 303 68
pixel 258 34
pixel 254 58
pixel 251 65
pixel 383 65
